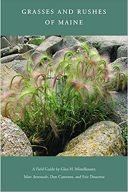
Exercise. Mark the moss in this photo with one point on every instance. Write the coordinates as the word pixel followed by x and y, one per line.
pixel 36 41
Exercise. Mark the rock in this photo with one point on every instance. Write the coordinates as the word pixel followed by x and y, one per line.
pixel 23 39
pixel 14 40
pixel 69 44
pixel 106 45
pixel 26 38
pixel 123 61
pixel 109 50
pixel 12 57
pixel 9 50
pixel 27 47
pixel 47 36
pixel 17 65
pixel 122 51
pixel 120 71
pixel 4 42
pixel 50 45
pixel 70 41
pixel 120 40
pixel 17 49
pixel 59 55
pixel 6 76
pixel 121 107
pixel 14 142
pixel 101 139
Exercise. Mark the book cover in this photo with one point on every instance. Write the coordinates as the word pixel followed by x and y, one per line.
pixel 64 95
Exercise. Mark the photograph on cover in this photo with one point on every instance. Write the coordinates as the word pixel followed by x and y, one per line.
pixel 64 95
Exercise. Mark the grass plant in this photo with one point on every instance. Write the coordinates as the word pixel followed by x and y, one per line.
pixel 58 101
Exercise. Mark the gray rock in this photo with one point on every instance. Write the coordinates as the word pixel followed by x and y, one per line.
pixel 26 38
pixel 122 51
pixel 123 61
pixel 120 40
pixel 27 47
pixel 69 44
pixel 121 107
pixel 59 55
pixel 6 77
pixel 9 50
pixel 4 42
pixel 70 41
pixel 14 142
pixel 109 50
pixel 120 71
pixel 106 45
pixel 7 74
pixel 17 49
pixel 12 57
pixel 23 39
pixel 50 45
pixel 101 139
pixel 47 36
pixel 15 40
pixel 17 65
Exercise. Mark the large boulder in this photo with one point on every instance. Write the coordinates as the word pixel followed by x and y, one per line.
pixel 9 50
pixel 59 55
pixel 50 45
pixel 70 41
pixel 120 71
pixel 19 66
pixel 101 139
pixel 109 49
pixel 121 115
pixel 69 44
pixel 123 61
pixel 7 74
pixel 99 40
pixel 14 142
pixel 12 57
pixel 20 48
pixel 106 45
pixel 122 51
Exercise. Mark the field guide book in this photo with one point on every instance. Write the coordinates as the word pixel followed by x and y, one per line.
pixel 63 87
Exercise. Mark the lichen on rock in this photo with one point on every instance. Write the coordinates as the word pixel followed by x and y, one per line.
pixel 101 139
